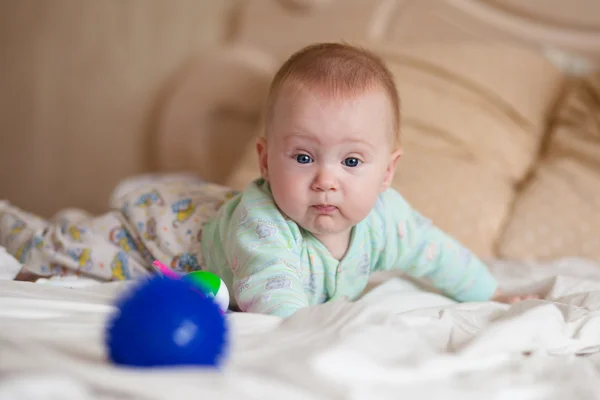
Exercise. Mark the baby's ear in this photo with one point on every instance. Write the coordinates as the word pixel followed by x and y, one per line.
pixel 261 150
pixel 391 169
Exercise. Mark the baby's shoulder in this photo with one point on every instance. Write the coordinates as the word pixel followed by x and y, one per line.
pixel 256 211
pixel 389 205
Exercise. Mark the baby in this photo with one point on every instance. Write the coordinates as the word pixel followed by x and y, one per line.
pixel 312 229
pixel 323 217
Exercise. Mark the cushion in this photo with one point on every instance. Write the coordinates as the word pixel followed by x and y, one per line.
pixel 210 110
pixel 473 116
pixel 558 212
pixel 472 121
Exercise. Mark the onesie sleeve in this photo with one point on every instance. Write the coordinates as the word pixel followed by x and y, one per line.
pixel 263 253
pixel 425 251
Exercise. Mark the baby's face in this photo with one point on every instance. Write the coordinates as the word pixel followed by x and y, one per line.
pixel 327 158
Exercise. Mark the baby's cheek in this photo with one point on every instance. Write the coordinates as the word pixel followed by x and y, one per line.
pixel 288 195
pixel 362 201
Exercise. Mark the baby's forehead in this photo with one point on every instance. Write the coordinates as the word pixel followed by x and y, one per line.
pixel 305 101
pixel 302 113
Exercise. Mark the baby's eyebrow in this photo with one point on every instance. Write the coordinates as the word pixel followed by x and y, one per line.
pixel 362 142
pixel 301 136
pixel 315 139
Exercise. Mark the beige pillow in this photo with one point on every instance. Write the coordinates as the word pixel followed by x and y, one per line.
pixel 472 119
pixel 558 212
pixel 246 170
pixel 210 110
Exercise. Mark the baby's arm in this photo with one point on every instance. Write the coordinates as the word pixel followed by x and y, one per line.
pixel 424 250
pixel 265 281
pixel 264 259
pixel 427 251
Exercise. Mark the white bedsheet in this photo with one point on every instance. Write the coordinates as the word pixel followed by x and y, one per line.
pixel 396 342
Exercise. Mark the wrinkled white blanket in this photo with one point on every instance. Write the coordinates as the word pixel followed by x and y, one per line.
pixel 396 342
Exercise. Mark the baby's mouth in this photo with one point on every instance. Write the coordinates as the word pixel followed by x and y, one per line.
pixel 325 208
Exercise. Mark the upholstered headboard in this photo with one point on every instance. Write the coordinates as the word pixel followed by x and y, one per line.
pixel 216 101
pixel 479 81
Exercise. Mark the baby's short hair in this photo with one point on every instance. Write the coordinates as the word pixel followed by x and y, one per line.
pixel 341 69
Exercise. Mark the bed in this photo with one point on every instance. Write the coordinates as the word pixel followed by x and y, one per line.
pixel 514 88
pixel 397 340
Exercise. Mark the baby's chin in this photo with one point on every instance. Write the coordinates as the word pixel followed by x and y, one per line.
pixel 325 225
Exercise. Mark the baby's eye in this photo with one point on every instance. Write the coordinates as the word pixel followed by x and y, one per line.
pixel 351 162
pixel 303 159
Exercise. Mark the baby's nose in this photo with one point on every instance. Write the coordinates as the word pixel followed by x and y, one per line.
pixel 325 180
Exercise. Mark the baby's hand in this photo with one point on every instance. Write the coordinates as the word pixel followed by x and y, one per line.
pixel 511 299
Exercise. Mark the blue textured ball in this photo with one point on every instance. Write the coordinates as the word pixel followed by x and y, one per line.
pixel 166 322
